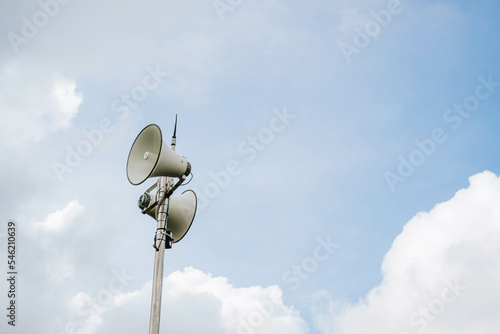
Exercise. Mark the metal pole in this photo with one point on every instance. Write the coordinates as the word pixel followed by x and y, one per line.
pixel 164 184
pixel 154 321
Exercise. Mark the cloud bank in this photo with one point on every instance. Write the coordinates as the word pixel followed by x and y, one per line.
pixel 196 302
pixel 440 275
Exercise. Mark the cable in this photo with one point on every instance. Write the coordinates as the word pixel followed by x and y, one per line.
pixel 185 184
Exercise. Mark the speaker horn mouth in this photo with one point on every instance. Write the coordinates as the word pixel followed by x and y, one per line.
pixel 179 234
pixel 144 154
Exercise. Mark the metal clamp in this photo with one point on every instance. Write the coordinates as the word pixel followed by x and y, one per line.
pixel 164 236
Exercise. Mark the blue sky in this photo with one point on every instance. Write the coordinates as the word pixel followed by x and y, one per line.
pixel 228 74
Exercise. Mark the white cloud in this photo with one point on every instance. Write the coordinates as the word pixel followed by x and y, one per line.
pixel 34 102
pixel 67 101
pixel 195 302
pixel 440 275
pixel 58 220
pixel 82 304
pixel 58 262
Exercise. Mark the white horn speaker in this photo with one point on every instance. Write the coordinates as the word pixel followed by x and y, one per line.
pixel 180 214
pixel 150 157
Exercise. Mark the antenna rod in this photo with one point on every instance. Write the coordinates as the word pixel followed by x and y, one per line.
pixel 174 138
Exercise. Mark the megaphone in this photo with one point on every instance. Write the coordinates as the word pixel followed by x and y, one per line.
pixel 150 157
pixel 180 213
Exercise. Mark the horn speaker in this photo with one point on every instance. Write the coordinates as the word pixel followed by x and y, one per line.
pixel 151 157
pixel 180 213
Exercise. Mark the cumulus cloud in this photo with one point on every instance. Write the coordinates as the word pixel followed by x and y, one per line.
pixel 59 219
pixel 58 261
pixel 193 302
pixel 440 275
pixel 34 102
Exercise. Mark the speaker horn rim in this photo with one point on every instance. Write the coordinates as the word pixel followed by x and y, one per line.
pixel 194 215
pixel 157 158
